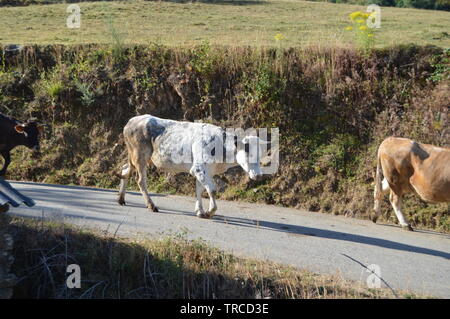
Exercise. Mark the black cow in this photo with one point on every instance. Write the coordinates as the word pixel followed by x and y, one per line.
pixel 13 133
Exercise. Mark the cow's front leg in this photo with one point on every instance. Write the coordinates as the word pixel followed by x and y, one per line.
pixel 396 201
pixel 6 155
pixel 200 172
pixel 198 204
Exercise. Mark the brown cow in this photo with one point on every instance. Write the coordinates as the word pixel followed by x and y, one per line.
pixel 408 166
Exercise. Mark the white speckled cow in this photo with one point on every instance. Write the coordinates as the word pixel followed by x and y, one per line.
pixel 195 148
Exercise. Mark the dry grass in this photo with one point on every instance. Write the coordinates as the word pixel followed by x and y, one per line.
pixel 236 23
pixel 173 267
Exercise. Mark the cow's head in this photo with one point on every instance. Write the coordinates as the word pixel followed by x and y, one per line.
pixel 248 157
pixel 31 131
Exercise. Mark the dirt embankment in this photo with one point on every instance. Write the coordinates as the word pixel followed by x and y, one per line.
pixel 332 106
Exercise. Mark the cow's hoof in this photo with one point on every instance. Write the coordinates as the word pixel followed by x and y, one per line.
pixel 154 209
pixel 211 214
pixel 203 215
pixel 408 227
pixel 121 202
pixel 199 212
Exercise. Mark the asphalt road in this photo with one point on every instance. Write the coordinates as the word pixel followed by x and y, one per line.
pixel 418 261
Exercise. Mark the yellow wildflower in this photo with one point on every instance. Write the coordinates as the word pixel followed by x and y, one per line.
pixel 354 15
pixel 279 37
pixel 363 28
pixel 349 28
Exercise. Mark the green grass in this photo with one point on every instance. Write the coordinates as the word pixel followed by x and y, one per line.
pixel 172 267
pixel 253 23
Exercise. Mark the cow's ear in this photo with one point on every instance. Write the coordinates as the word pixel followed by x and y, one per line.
pixel 40 128
pixel 19 128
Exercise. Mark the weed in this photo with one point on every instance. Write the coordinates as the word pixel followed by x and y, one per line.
pixel 87 95
pixel 364 35
pixel 441 66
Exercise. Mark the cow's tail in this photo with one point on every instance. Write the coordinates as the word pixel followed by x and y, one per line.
pixel 378 192
pixel 126 170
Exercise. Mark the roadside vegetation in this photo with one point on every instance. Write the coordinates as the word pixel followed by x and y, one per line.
pixel 228 23
pixel 172 267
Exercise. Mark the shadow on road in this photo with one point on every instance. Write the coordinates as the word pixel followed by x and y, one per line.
pixel 272 226
pixel 317 232
pixel 329 234
pixel 61 189
pixel 67 197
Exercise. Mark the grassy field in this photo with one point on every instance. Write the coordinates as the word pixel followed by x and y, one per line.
pixel 236 23
pixel 173 267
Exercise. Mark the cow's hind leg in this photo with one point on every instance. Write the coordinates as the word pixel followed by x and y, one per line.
pixel 379 193
pixel 141 167
pixel 200 172
pixel 6 155
pixel 396 201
